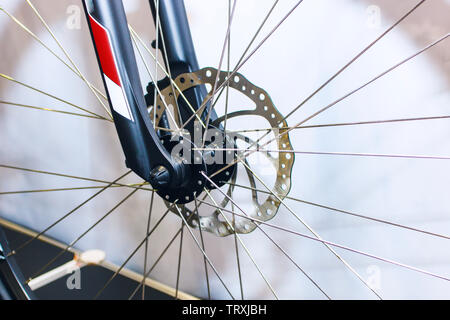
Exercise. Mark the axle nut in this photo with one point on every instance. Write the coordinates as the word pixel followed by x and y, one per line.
pixel 159 177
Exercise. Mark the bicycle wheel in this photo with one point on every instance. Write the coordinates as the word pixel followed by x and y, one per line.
pixel 360 213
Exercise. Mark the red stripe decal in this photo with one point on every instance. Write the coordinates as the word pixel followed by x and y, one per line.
pixel 104 50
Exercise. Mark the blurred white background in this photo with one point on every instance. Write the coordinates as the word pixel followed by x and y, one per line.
pixel 315 41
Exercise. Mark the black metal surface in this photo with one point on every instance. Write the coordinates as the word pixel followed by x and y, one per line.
pixel 12 281
pixel 140 143
pixel 180 52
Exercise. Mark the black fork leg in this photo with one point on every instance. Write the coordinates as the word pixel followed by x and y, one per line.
pixel 144 153
pixel 180 50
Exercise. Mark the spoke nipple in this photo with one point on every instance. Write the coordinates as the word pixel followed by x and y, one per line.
pixel 13 252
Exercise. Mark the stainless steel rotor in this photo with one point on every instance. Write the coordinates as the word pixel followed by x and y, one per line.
pixel 282 160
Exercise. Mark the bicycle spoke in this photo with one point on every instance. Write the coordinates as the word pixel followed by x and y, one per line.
pixel 37 236
pixel 349 267
pixel 134 186
pixel 333 244
pixel 376 155
pixel 179 262
pixel 349 213
pixel 156 86
pixel 52 110
pixel 203 246
pixel 200 110
pixel 242 244
pixel 372 80
pixel 155 94
pixel 203 252
pixel 158 259
pixel 70 246
pixel 173 83
pixel 154 264
pixel 66 189
pixel 248 47
pixel 343 124
pixel 258 31
pixel 146 244
pixel 354 59
pixel 167 63
pixel 47 27
pixel 295 263
pixel 228 69
pixel 35 37
pixel 274 242
pixel 4 76
pixel 239 66
pixel 250 152
pixel 131 255
pixel 222 55
pixel 237 254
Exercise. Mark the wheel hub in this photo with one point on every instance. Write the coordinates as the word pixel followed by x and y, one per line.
pixel 195 162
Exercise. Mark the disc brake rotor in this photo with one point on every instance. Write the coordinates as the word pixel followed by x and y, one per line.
pixel 282 160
